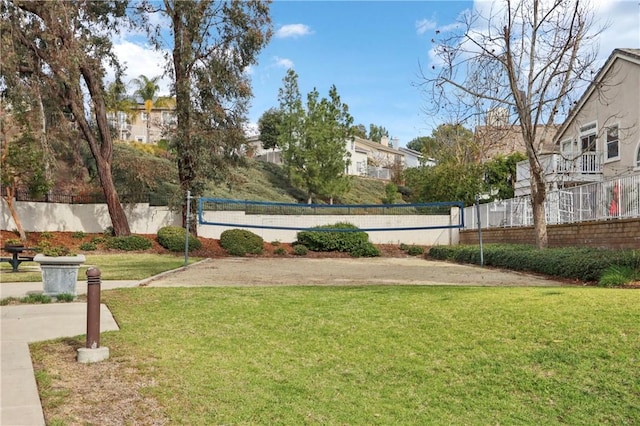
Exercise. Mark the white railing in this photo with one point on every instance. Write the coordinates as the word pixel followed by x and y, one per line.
pixel 615 198
pixel 586 163
pixel 378 172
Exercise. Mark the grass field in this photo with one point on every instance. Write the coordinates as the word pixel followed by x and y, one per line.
pixel 383 355
pixel 124 266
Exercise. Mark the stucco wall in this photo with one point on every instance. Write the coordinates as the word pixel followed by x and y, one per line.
pixel 615 234
pixel 145 219
pixel 91 218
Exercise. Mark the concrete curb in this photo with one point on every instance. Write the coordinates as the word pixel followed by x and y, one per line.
pixel 147 281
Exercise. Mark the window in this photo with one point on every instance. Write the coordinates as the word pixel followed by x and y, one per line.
pixel 613 142
pixel 144 116
pixel 638 157
pixel 139 138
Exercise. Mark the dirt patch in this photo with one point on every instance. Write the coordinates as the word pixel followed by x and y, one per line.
pixel 342 271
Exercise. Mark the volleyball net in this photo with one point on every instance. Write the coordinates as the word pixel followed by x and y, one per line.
pixel 303 217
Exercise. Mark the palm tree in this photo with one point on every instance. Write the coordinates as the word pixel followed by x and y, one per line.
pixel 146 88
pixel 118 102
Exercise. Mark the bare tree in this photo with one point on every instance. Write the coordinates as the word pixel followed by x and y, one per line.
pixel 528 56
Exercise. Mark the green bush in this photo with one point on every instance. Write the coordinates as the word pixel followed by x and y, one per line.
pixel 280 251
pixel 129 243
pixel 616 275
pixel 300 250
pixel 238 242
pixel 580 263
pixel 46 235
pixel 415 250
pixel 173 238
pixel 90 246
pixel 349 241
pixel 78 235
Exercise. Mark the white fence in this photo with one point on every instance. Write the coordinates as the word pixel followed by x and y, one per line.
pixel 616 198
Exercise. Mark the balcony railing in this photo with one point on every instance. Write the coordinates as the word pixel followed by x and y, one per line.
pixel 588 163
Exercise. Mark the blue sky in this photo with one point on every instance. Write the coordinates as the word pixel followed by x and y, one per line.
pixel 371 51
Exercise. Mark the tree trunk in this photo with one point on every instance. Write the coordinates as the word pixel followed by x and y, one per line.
pixel 538 196
pixel 10 199
pixel 102 152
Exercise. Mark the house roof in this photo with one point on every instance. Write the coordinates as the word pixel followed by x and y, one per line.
pixel 631 55
pixel 377 146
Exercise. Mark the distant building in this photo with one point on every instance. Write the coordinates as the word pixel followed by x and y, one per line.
pixel 133 126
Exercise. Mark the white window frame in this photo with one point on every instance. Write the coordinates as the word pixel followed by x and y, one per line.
pixel 587 131
pixel 606 143
pixel 637 158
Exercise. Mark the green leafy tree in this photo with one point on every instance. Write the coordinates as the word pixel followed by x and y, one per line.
pixel 500 175
pixel 213 44
pixel 268 125
pixel 314 140
pixel 377 132
pixel 64 47
pixel 452 143
pixel 446 181
pixel 359 130
pixel 422 144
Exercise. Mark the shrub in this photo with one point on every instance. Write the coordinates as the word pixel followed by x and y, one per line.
pixel 129 243
pixel 581 263
pixel 55 251
pixel 300 250
pixel 351 241
pixel 90 246
pixel 98 240
pixel 280 251
pixel 238 242
pixel 616 275
pixel 173 238
pixel 109 231
pixel 46 235
pixel 415 250
pixel 78 235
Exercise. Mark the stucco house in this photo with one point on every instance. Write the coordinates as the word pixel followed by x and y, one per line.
pixel 132 126
pixel 600 138
pixel 367 158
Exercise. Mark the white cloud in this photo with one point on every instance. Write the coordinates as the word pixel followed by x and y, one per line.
pixel 425 25
pixel 141 59
pixel 283 62
pixel 293 31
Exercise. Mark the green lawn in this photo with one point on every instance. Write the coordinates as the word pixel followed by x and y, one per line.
pixel 384 355
pixel 122 266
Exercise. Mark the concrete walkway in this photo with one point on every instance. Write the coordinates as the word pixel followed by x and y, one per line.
pixel 24 324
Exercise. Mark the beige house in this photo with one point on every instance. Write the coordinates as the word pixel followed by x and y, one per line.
pixel 367 158
pixel 140 126
pixel 600 139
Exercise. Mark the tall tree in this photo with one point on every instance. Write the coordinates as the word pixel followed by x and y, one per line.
pixel 314 140
pixel 68 44
pixel 527 56
pixel 146 89
pixel 268 125
pixel 214 42
pixel 376 133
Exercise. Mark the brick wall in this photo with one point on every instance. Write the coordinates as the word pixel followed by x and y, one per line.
pixel 615 234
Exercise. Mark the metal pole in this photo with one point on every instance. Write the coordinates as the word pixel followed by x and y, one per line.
pixel 186 238
pixel 479 230
pixel 93 308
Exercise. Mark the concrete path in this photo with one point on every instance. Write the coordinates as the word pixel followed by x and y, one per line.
pixel 24 324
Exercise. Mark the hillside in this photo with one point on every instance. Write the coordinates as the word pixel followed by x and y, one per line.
pixel 261 181
pixel 138 169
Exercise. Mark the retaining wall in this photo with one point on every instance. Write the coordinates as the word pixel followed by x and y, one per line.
pixel 145 219
pixel 614 234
